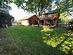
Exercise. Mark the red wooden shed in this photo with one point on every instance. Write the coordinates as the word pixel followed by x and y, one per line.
pixel 33 20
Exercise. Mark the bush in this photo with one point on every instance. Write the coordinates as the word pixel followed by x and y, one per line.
pixel 5 19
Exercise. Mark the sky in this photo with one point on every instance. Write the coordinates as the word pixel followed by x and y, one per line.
pixel 18 13
pixel 54 6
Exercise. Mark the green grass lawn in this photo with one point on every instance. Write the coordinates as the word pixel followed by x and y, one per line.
pixel 21 40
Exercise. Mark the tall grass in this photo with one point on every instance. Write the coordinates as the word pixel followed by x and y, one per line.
pixel 21 40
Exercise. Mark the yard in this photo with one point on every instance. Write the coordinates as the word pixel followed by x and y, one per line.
pixel 21 40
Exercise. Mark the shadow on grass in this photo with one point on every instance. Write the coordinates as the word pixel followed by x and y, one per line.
pixel 32 41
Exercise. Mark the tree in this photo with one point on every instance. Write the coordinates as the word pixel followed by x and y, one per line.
pixel 37 5
pixel 5 17
pixel 40 5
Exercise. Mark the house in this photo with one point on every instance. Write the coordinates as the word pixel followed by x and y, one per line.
pixel 49 18
pixel 46 19
pixel 33 20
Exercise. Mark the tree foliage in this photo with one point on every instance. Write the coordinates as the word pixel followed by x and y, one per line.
pixel 39 5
